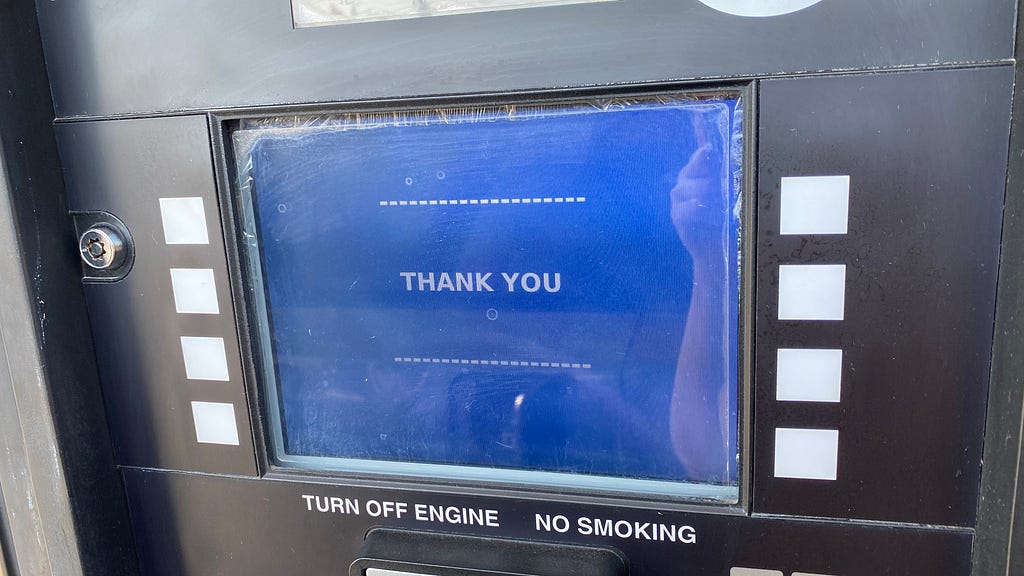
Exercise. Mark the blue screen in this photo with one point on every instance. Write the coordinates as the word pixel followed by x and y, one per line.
pixel 551 289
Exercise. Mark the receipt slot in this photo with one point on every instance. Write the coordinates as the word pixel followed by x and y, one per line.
pixel 510 287
pixel 397 553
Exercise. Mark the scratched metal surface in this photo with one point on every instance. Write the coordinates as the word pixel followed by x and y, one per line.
pixel 108 58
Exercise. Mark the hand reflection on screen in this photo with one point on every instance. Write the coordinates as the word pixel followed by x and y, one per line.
pixel 699 415
pixel 603 422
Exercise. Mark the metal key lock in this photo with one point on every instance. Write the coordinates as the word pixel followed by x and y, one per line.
pixel 102 247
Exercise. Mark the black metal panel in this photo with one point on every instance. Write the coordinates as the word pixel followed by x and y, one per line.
pixel 108 58
pixel 199 524
pixel 124 167
pixel 926 154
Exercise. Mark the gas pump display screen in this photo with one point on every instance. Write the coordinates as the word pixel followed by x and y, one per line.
pixel 545 294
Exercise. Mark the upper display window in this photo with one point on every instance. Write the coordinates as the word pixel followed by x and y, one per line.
pixel 322 12
pixel 540 294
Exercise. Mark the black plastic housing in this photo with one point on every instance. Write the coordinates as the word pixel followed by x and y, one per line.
pixel 440 554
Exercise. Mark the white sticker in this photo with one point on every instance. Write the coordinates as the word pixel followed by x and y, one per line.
pixel 815 205
pixel 215 423
pixel 385 572
pixel 195 291
pixel 184 221
pixel 808 454
pixel 808 375
pixel 753 572
pixel 812 292
pixel 205 358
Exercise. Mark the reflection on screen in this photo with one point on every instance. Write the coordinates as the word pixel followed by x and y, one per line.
pixel 320 12
pixel 545 295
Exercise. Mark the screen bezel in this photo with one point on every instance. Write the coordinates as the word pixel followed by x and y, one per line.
pixel 261 380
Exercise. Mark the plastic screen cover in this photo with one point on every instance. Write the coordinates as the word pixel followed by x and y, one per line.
pixel 544 295
pixel 321 12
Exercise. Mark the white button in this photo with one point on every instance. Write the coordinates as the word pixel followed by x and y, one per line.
pixel 195 291
pixel 753 572
pixel 812 292
pixel 204 358
pixel 806 453
pixel 215 423
pixel 386 572
pixel 184 221
pixel 808 375
pixel 815 205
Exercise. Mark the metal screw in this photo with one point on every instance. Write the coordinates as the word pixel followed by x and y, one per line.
pixel 102 248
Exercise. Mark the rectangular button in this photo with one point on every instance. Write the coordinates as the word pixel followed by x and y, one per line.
pixel 812 292
pixel 815 205
pixel 385 572
pixel 808 454
pixel 205 358
pixel 215 423
pixel 808 375
pixel 184 221
pixel 753 572
pixel 195 291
